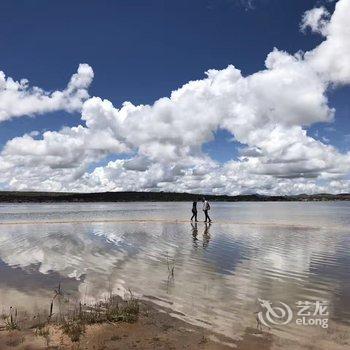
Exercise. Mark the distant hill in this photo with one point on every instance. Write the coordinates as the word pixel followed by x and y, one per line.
pixel 19 197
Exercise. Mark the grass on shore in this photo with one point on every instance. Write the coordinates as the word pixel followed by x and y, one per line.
pixel 110 311
pixel 73 322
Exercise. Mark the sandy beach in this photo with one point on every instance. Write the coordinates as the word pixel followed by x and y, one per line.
pixel 153 329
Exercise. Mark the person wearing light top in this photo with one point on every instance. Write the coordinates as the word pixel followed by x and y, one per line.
pixel 206 208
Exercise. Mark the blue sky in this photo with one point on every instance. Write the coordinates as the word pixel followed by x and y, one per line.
pixel 141 51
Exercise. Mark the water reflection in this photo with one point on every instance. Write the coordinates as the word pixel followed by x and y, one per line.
pixel 210 274
pixel 206 235
pixel 195 234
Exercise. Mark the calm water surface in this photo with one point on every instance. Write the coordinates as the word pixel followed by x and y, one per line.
pixel 286 252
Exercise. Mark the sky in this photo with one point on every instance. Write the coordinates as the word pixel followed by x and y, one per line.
pixel 210 96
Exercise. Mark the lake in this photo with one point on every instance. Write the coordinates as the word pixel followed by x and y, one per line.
pixel 286 252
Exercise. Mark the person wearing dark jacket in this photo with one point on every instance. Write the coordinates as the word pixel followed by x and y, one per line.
pixel 194 211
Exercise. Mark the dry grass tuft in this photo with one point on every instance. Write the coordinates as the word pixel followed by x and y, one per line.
pixel 73 321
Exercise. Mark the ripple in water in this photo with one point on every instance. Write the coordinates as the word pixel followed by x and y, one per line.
pixel 274 251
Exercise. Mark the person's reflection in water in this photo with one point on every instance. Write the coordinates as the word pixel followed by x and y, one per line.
pixel 194 234
pixel 206 235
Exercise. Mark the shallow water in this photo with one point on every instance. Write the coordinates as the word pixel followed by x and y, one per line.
pixel 285 252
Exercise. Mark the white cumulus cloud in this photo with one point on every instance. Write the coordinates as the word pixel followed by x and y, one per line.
pixel 18 99
pixel 316 19
pixel 269 112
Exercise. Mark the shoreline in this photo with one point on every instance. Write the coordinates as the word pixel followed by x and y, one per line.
pixel 154 328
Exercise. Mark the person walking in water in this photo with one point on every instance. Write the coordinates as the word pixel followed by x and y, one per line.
pixel 206 208
pixel 194 211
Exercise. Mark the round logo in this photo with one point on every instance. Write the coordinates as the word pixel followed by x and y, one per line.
pixel 274 315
